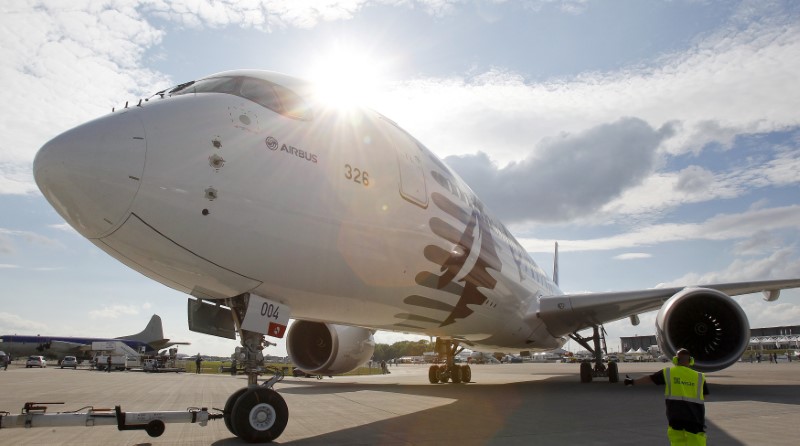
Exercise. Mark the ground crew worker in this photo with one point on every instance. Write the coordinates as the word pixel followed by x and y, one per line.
pixel 685 397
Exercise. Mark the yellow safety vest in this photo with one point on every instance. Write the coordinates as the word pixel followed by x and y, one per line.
pixel 684 384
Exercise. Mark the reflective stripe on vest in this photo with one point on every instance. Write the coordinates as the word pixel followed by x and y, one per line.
pixel 683 384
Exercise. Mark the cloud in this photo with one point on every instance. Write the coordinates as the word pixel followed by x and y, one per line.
pixel 781 264
pixel 733 81
pixel 60 54
pixel 65 227
pixel 694 178
pixel 761 242
pixel 114 311
pixel 12 323
pixel 664 191
pixel 719 227
pixel 6 244
pixel 7 235
pixel 16 179
pixel 565 177
pixel 267 15
pixel 633 256
pixel 57 56
pixel 7 265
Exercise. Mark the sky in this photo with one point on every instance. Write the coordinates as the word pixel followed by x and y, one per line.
pixel 657 141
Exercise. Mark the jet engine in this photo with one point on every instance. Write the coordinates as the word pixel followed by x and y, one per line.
pixel 711 325
pixel 328 349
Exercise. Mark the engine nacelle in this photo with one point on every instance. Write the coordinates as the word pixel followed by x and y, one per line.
pixel 327 349
pixel 711 325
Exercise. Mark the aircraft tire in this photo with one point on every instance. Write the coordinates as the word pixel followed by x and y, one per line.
pixel 259 415
pixel 226 412
pixel 613 372
pixel 466 374
pixel 433 374
pixel 455 374
pixel 443 377
pixel 586 372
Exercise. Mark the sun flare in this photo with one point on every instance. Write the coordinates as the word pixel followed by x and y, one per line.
pixel 346 76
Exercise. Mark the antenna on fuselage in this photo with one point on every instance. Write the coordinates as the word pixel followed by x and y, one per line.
pixel 555 266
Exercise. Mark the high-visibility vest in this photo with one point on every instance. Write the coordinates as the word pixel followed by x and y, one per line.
pixel 684 384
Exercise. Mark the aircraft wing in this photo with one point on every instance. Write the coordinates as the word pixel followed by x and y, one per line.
pixel 570 313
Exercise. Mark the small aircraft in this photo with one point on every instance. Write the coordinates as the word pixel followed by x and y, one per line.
pixel 150 339
pixel 247 192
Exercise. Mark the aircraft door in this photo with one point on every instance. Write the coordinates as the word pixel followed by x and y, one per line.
pixel 409 159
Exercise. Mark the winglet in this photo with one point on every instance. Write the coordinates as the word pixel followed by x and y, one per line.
pixel 555 266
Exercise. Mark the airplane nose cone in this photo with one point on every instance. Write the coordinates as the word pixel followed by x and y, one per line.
pixel 91 174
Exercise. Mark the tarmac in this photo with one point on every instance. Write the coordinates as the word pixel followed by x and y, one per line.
pixel 507 404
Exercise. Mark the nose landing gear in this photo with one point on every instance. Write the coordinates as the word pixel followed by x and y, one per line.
pixel 256 413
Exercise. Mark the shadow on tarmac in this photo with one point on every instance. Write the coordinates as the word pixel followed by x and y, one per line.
pixel 554 410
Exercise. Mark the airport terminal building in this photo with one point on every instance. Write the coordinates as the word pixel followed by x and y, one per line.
pixel 784 337
pixel 768 338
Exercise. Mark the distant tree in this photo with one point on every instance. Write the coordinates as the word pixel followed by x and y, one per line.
pixel 402 348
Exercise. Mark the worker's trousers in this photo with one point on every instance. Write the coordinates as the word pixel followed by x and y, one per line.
pixel 683 438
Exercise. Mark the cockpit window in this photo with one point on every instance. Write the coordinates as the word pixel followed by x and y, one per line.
pixel 261 92
pixel 270 95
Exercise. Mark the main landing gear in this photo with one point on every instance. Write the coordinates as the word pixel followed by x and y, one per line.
pixel 599 370
pixel 449 371
pixel 256 413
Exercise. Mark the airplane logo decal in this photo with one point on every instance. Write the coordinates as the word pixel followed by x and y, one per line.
pixel 463 270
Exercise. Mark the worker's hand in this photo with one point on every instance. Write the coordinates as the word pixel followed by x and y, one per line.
pixel 628 380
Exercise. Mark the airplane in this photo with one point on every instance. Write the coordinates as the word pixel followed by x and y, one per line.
pixel 263 202
pixel 148 340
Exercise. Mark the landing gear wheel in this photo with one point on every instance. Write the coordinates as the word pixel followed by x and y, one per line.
pixel 433 374
pixel 586 372
pixel 466 374
pixel 259 415
pixel 455 374
pixel 443 374
pixel 226 412
pixel 613 372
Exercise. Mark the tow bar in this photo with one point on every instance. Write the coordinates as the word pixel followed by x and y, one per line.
pixel 35 415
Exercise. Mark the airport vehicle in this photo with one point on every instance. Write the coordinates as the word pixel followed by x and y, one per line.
pixel 155 366
pixel 118 362
pixel 69 361
pixel 149 339
pixel 122 356
pixel 247 192
pixel 35 361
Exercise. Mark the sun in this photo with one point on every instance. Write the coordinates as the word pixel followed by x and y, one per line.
pixel 346 76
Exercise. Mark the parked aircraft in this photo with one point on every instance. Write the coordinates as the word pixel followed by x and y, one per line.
pixel 150 339
pixel 246 192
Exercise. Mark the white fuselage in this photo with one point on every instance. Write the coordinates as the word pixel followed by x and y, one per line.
pixel 342 216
